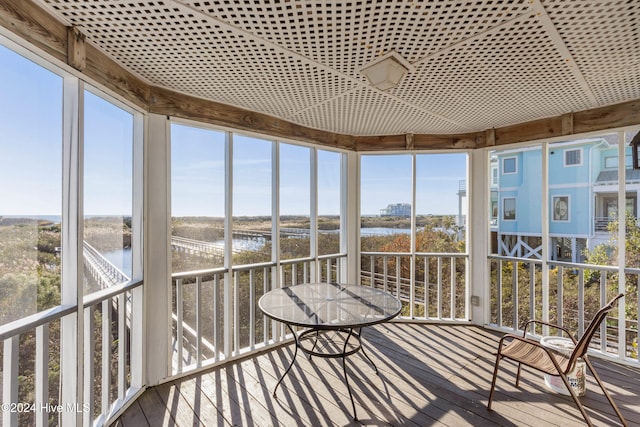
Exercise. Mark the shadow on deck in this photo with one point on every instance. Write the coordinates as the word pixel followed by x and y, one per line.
pixel 428 375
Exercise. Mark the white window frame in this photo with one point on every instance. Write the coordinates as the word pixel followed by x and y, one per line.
pixel 515 165
pixel 571 165
pixel 515 209
pixel 628 161
pixel 556 198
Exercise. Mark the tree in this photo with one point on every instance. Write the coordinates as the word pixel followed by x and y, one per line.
pixel 608 254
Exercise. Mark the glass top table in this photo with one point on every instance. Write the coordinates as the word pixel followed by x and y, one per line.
pixel 332 316
pixel 329 305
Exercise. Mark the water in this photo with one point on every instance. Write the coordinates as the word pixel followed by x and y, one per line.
pixel 122 259
pixel 240 245
pixel 56 219
pixel 383 231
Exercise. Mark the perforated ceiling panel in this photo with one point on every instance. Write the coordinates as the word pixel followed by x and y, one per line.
pixel 604 39
pixel 477 64
pixel 383 115
pixel 517 65
pixel 347 35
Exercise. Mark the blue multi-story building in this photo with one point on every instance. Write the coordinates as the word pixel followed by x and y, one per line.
pixel 582 191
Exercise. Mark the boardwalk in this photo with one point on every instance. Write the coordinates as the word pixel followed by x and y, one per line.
pixel 430 375
pixel 103 271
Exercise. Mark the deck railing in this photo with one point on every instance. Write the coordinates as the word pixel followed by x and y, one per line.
pixel 112 320
pixel 216 315
pixel 431 286
pixel 216 318
pixel 603 223
pixel 575 292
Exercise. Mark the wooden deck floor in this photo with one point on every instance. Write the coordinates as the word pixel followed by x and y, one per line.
pixel 429 375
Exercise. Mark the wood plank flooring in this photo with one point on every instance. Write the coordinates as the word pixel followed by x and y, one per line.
pixel 429 375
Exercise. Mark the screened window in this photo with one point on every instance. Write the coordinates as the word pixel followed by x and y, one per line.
pixel 30 194
pixel 200 187
pixel 573 157
pixel 413 229
pixel 108 189
pixel 441 202
pixel 385 203
pixel 329 197
pixel 295 201
pixel 561 208
pixel 509 209
pixel 509 165
pixel 252 197
pixel 197 198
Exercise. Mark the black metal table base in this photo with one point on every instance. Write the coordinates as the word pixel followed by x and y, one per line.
pixel 314 334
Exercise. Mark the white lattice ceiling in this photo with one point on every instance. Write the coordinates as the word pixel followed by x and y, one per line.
pixel 478 64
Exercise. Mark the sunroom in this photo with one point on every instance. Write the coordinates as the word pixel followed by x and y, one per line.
pixel 167 163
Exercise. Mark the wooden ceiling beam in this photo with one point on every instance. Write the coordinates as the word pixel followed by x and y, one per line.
pixel 170 103
pixel 36 26
pixel 418 142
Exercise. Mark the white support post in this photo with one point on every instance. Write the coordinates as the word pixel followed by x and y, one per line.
pixel 106 353
pixel 452 287
pixel 71 327
pixel 412 259
pixel 276 271
pixel 216 317
pixel 199 323
pixel 315 272
pixel 178 348
pixel 137 348
pixel 235 350
pixel 10 379
pixel 350 217
pixel 275 210
pixel 622 242
pixel 89 365
pixel 265 320
pixel 157 247
pixel 122 346
pixel 228 241
pixel 252 311
pixel 546 240
pixel 42 374
pixel 478 189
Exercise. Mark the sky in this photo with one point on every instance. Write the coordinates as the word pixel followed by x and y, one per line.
pixel 31 145
pixel 198 175
pixel 30 169
pixel 387 179
pixel 31 132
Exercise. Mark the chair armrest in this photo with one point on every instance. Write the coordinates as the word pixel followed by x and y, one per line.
pixel 541 322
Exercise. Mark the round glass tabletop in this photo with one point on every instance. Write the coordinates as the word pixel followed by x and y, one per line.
pixel 329 305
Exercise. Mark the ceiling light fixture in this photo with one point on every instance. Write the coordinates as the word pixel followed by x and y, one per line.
pixel 386 71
